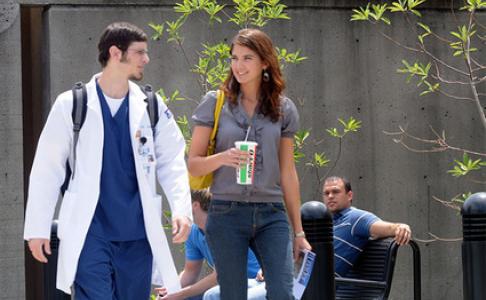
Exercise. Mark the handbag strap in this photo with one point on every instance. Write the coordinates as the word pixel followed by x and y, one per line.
pixel 217 112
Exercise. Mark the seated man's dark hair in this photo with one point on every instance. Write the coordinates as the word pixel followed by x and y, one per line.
pixel 203 197
pixel 347 183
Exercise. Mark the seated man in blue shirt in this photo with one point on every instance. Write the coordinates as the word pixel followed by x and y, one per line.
pixel 354 227
pixel 197 250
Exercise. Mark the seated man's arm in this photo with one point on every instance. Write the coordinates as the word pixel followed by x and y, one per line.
pixel 190 286
pixel 191 271
pixel 399 231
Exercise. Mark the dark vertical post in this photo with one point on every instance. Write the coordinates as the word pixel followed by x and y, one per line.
pixel 317 223
pixel 474 247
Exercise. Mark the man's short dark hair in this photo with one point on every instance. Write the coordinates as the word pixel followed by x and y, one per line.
pixel 203 197
pixel 121 35
pixel 346 182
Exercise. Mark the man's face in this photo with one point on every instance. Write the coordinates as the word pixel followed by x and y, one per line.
pixel 134 60
pixel 335 196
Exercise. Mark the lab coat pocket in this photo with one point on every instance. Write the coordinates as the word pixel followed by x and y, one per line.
pixel 65 213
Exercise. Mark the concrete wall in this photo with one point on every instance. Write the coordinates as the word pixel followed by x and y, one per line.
pixel 350 72
pixel 11 166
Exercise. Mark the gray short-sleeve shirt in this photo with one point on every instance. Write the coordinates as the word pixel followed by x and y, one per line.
pixel 232 127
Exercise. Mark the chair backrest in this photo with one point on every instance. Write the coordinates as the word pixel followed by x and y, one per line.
pixel 372 275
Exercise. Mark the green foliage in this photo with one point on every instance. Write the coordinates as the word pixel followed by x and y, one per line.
pixel 427 32
pixel 320 160
pixel 462 168
pixel 461 198
pixel 286 57
pixel 375 11
pixel 300 138
pixel 173 28
pixel 407 6
pixel 472 5
pixel 463 34
pixel 213 64
pixel 257 13
pixel 158 31
pixel 351 125
pixel 175 96
pixel 183 123
pixel 422 72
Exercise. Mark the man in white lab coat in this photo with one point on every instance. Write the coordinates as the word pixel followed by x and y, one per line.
pixel 110 231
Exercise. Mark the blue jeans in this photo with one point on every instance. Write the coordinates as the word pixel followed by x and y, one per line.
pixel 231 228
pixel 256 291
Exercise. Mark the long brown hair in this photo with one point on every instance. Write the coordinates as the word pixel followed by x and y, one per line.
pixel 270 90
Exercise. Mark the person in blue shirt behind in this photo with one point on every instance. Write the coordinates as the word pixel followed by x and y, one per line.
pixel 353 227
pixel 197 250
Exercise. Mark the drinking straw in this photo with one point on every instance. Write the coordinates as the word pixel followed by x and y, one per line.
pixel 247 132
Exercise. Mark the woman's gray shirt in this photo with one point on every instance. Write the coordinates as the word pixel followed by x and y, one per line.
pixel 232 127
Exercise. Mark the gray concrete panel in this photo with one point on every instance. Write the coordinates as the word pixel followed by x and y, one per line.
pixel 350 72
pixel 11 166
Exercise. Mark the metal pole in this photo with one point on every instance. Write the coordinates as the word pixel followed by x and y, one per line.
pixel 317 223
pixel 474 247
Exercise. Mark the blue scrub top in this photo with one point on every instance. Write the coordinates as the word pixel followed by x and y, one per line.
pixel 118 215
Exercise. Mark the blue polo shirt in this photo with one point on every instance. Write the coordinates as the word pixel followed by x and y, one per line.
pixel 351 233
pixel 197 249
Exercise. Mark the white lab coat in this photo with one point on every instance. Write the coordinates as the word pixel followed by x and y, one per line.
pixel 79 202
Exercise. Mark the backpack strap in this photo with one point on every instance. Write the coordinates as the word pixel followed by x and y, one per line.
pixel 78 114
pixel 152 106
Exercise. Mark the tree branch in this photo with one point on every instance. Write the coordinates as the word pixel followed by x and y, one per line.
pixel 399 44
pixel 443 63
pixel 453 96
pixel 439 78
pixel 474 90
pixel 439 144
pixel 436 238
pixel 337 158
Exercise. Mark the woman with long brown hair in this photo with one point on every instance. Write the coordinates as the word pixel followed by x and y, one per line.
pixel 255 216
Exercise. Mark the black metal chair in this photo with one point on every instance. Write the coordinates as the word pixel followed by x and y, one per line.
pixel 371 277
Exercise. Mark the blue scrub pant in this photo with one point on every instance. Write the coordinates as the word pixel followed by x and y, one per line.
pixel 113 270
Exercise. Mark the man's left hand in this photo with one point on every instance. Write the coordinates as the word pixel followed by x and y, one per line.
pixel 181 226
pixel 300 243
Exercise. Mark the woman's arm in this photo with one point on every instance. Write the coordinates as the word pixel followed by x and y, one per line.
pixel 199 164
pixel 291 191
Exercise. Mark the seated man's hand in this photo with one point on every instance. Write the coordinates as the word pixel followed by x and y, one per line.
pixel 162 294
pixel 259 276
pixel 181 227
pixel 403 234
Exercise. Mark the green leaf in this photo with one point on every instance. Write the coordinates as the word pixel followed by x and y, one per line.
pixel 363 14
pixel 424 27
pixel 464 167
pixel 159 31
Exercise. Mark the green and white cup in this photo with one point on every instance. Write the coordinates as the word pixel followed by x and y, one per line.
pixel 244 174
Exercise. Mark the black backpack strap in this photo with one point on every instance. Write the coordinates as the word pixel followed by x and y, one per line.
pixel 152 106
pixel 78 115
pixel 80 107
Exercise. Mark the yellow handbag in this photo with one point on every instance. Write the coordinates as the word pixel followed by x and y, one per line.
pixel 205 181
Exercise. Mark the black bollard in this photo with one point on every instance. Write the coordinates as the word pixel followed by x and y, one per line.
pixel 474 247
pixel 317 223
pixel 50 270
